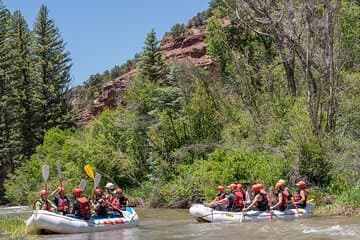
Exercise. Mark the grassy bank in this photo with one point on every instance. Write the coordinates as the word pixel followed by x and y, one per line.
pixel 12 228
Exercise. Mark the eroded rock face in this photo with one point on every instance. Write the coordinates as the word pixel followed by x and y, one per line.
pixel 188 51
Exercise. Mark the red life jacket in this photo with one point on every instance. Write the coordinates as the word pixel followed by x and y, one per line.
pixel 62 204
pixel 284 198
pixel 116 203
pixel 239 202
pixel 84 206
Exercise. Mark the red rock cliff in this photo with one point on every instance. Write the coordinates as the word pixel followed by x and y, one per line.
pixel 189 51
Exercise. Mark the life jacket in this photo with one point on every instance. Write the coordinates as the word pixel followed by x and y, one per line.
pixel 239 202
pixel 109 197
pixel 84 206
pixel 119 202
pixel 297 197
pixel 263 204
pixel 231 197
pixel 288 194
pixel 62 204
pixel 45 205
pixel 102 210
pixel 220 196
pixel 284 199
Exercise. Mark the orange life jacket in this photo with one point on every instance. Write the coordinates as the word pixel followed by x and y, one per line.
pixel 62 205
pixel 239 202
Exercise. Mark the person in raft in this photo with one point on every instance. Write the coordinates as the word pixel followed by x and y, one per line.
pixel 81 206
pixel 301 194
pixel 227 203
pixel 62 202
pixel 260 200
pixel 110 187
pixel 280 197
pixel 43 203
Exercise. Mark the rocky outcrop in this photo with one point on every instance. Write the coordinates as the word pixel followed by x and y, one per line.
pixel 189 51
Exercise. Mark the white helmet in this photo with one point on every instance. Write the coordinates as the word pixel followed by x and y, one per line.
pixel 110 186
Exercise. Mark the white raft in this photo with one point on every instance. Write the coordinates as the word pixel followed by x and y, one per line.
pixel 46 221
pixel 206 214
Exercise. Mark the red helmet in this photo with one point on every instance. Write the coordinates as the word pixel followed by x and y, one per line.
pixel 233 186
pixel 221 188
pixel 43 192
pixel 239 186
pixel 257 187
pixel 77 192
pixel 98 191
pixel 301 184
pixel 61 190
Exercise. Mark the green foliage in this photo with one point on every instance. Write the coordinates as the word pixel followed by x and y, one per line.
pixel 193 182
pixel 53 65
pixel 178 32
pixel 351 197
pixel 13 227
pixel 151 63
pixel 348 32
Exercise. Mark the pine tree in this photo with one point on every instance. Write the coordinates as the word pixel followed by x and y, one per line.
pixel 53 65
pixel 5 150
pixel 151 64
pixel 22 90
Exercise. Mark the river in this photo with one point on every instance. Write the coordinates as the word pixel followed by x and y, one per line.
pixel 164 224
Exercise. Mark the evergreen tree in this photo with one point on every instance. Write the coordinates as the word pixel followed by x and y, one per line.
pixel 151 64
pixel 5 150
pixel 53 65
pixel 22 86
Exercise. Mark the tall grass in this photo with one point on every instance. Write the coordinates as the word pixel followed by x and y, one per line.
pixel 12 228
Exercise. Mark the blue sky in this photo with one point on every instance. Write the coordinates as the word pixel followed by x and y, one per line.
pixel 102 34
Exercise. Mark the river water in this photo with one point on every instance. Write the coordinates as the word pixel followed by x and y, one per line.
pixel 162 224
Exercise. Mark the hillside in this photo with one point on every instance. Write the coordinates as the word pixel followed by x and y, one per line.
pixel 188 51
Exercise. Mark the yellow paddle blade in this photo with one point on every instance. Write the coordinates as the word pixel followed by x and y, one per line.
pixel 89 171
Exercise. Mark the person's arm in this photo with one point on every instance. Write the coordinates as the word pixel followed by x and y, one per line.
pixel 52 205
pixel 221 201
pixel 52 194
pixel 279 202
pixel 252 203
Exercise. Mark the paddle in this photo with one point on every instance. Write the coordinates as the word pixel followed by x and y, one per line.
pixel 90 172
pixel 58 167
pixel 297 209
pixel 45 174
pixel 270 203
pixel 82 184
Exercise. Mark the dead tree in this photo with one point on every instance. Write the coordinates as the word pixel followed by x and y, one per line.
pixel 302 29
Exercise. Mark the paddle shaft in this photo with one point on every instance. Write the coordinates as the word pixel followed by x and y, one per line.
pixel 270 203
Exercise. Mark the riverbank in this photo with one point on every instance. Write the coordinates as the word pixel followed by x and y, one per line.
pixel 13 227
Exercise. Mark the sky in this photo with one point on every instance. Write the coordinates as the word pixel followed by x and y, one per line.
pixel 102 34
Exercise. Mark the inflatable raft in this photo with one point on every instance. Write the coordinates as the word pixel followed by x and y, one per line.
pixel 207 214
pixel 45 221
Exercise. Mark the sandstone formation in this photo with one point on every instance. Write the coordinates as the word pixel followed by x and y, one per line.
pixel 189 51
